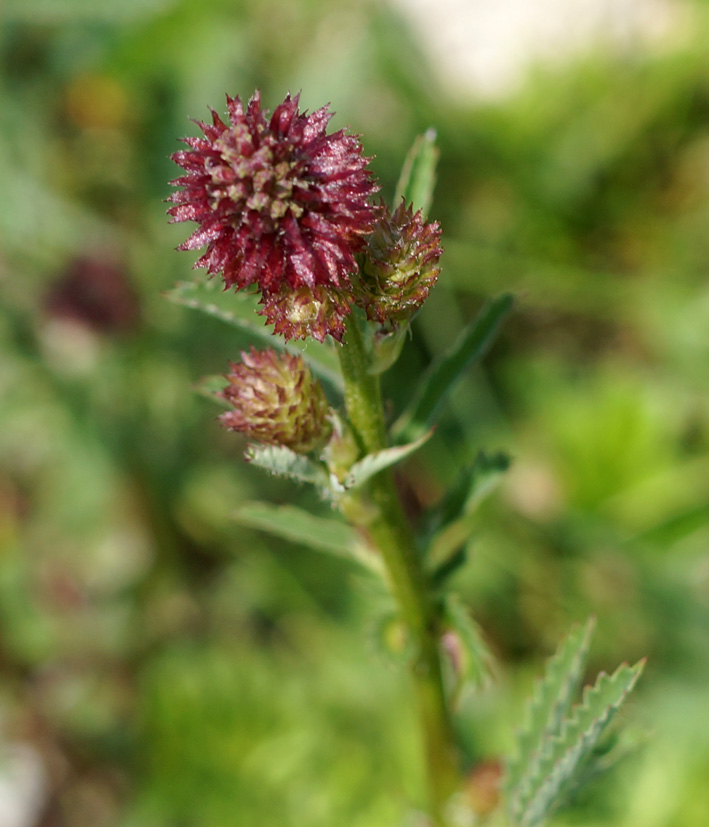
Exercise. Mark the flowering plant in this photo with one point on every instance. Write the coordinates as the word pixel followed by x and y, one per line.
pixel 286 211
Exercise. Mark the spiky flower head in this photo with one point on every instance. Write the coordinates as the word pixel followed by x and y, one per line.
pixel 400 266
pixel 280 204
pixel 275 400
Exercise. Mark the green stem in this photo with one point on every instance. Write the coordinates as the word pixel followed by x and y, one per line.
pixel 388 529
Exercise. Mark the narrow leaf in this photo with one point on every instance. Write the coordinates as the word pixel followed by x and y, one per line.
pixel 547 708
pixel 451 522
pixel 472 486
pixel 472 661
pixel 210 386
pixel 418 175
pixel 563 755
pixel 372 464
pixel 239 309
pixel 438 382
pixel 298 526
pixel 281 461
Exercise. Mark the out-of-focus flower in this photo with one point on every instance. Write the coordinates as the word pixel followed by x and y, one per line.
pixel 401 266
pixel 280 204
pixel 95 292
pixel 276 401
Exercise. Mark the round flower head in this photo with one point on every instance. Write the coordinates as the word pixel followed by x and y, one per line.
pixel 280 203
pixel 276 401
pixel 400 267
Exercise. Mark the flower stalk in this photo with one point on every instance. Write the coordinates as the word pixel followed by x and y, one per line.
pixel 388 530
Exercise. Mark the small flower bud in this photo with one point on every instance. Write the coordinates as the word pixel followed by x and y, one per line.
pixel 300 312
pixel 400 267
pixel 276 401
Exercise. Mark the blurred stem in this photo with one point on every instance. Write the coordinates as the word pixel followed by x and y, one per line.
pixel 387 528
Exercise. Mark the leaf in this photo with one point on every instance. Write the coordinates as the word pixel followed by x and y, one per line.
pixel 474 660
pixel 471 487
pixel 372 464
pixel 392 639
pixel 438 382
pixel 418 175
pixel 239 309
pixel 298 526
pixel 548 706
pixel 283 462
pixel 451 521
pixel 540 792
pixel 386 348
pixel 210 386
pixel 58 12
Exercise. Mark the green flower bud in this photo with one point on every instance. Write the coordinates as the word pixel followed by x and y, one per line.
pixel 276 401
pixel 400 266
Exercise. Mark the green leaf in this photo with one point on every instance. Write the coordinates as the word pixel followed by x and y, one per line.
pixel 239 309
pixel 210 386
pixel 392 639
pixel 281 461
pixel 372 464
pixel 451 522
pixel 385 348
pixel 541 790
pixel 438 382
pixel 317 533
pixel 547 708
pixel 418 175
pixel 471 487
pixel 474 659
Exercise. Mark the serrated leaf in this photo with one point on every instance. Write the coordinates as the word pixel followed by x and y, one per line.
pixel 281 461
pixel 562 755
pixel 239 309
pixel 299 526
pixel 475 660
pixel 547 708
pixel 440 379
pixel 372 464
pixel 418 175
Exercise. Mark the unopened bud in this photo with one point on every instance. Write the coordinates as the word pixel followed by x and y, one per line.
pixel 276 401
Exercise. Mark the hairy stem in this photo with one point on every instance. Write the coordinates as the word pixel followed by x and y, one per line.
pixel 388 529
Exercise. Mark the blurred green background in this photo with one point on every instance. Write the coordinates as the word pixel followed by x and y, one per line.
pixel 161 666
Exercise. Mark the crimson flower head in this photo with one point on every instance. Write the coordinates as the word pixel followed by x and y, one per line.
pixel 280 204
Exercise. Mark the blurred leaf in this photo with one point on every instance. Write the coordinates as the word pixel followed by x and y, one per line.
pixel 472 661
pixel 282 462
pixel 418 175
pixel 554 743
pixel 452 520
pixel 546 779
pixel 298 526
pixel 210 387
pixel 392 638
pixel 77 11
pixel 440 379
pixel 239 310
pixel 550 702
